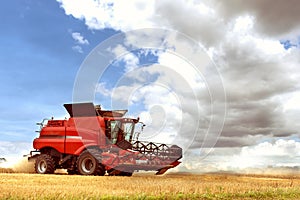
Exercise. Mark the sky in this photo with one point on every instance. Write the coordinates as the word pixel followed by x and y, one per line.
pixel 218 79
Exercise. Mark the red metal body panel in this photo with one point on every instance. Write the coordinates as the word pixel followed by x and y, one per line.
pixel 51 136
pixel 56 143
pixel 72 136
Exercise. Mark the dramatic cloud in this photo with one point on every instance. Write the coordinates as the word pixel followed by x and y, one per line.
pixel 194 19
pixel 244 39
pixel 273 18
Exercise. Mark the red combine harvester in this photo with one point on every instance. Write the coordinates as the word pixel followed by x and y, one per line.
pixel 94 141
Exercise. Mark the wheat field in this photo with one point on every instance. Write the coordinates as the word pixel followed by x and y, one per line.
pixel 148 186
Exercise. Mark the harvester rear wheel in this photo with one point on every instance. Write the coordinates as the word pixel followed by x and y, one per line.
pixel 44 164
pixel 88 163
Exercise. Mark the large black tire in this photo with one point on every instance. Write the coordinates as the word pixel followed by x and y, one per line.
pixel 44 164
pixel 89 163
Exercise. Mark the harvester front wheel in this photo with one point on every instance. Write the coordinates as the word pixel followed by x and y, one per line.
pixel 44 164
pixel 88 163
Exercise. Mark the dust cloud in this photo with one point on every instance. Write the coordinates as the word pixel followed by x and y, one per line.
pixel 22 165
pixel 17 165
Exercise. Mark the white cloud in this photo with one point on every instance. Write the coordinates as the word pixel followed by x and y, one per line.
pixel 131 62
pixel 243 24
pixel 119 50
pixel 79 38
pixel 280 153
pixel 14 149
pixel 119 15
pixel 101 89
pixel 77 48
pixel 292 102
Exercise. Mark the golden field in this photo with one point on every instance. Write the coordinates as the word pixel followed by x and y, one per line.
pixel 148 186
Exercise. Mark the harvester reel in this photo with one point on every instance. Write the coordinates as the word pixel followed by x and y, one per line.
pixel 152 150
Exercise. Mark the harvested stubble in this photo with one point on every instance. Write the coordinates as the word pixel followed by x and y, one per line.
pixel 145 186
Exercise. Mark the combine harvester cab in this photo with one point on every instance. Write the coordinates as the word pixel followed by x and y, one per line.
pixel 95 142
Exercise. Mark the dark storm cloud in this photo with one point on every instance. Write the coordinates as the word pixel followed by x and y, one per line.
pixel 272 17
pixel 226 141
